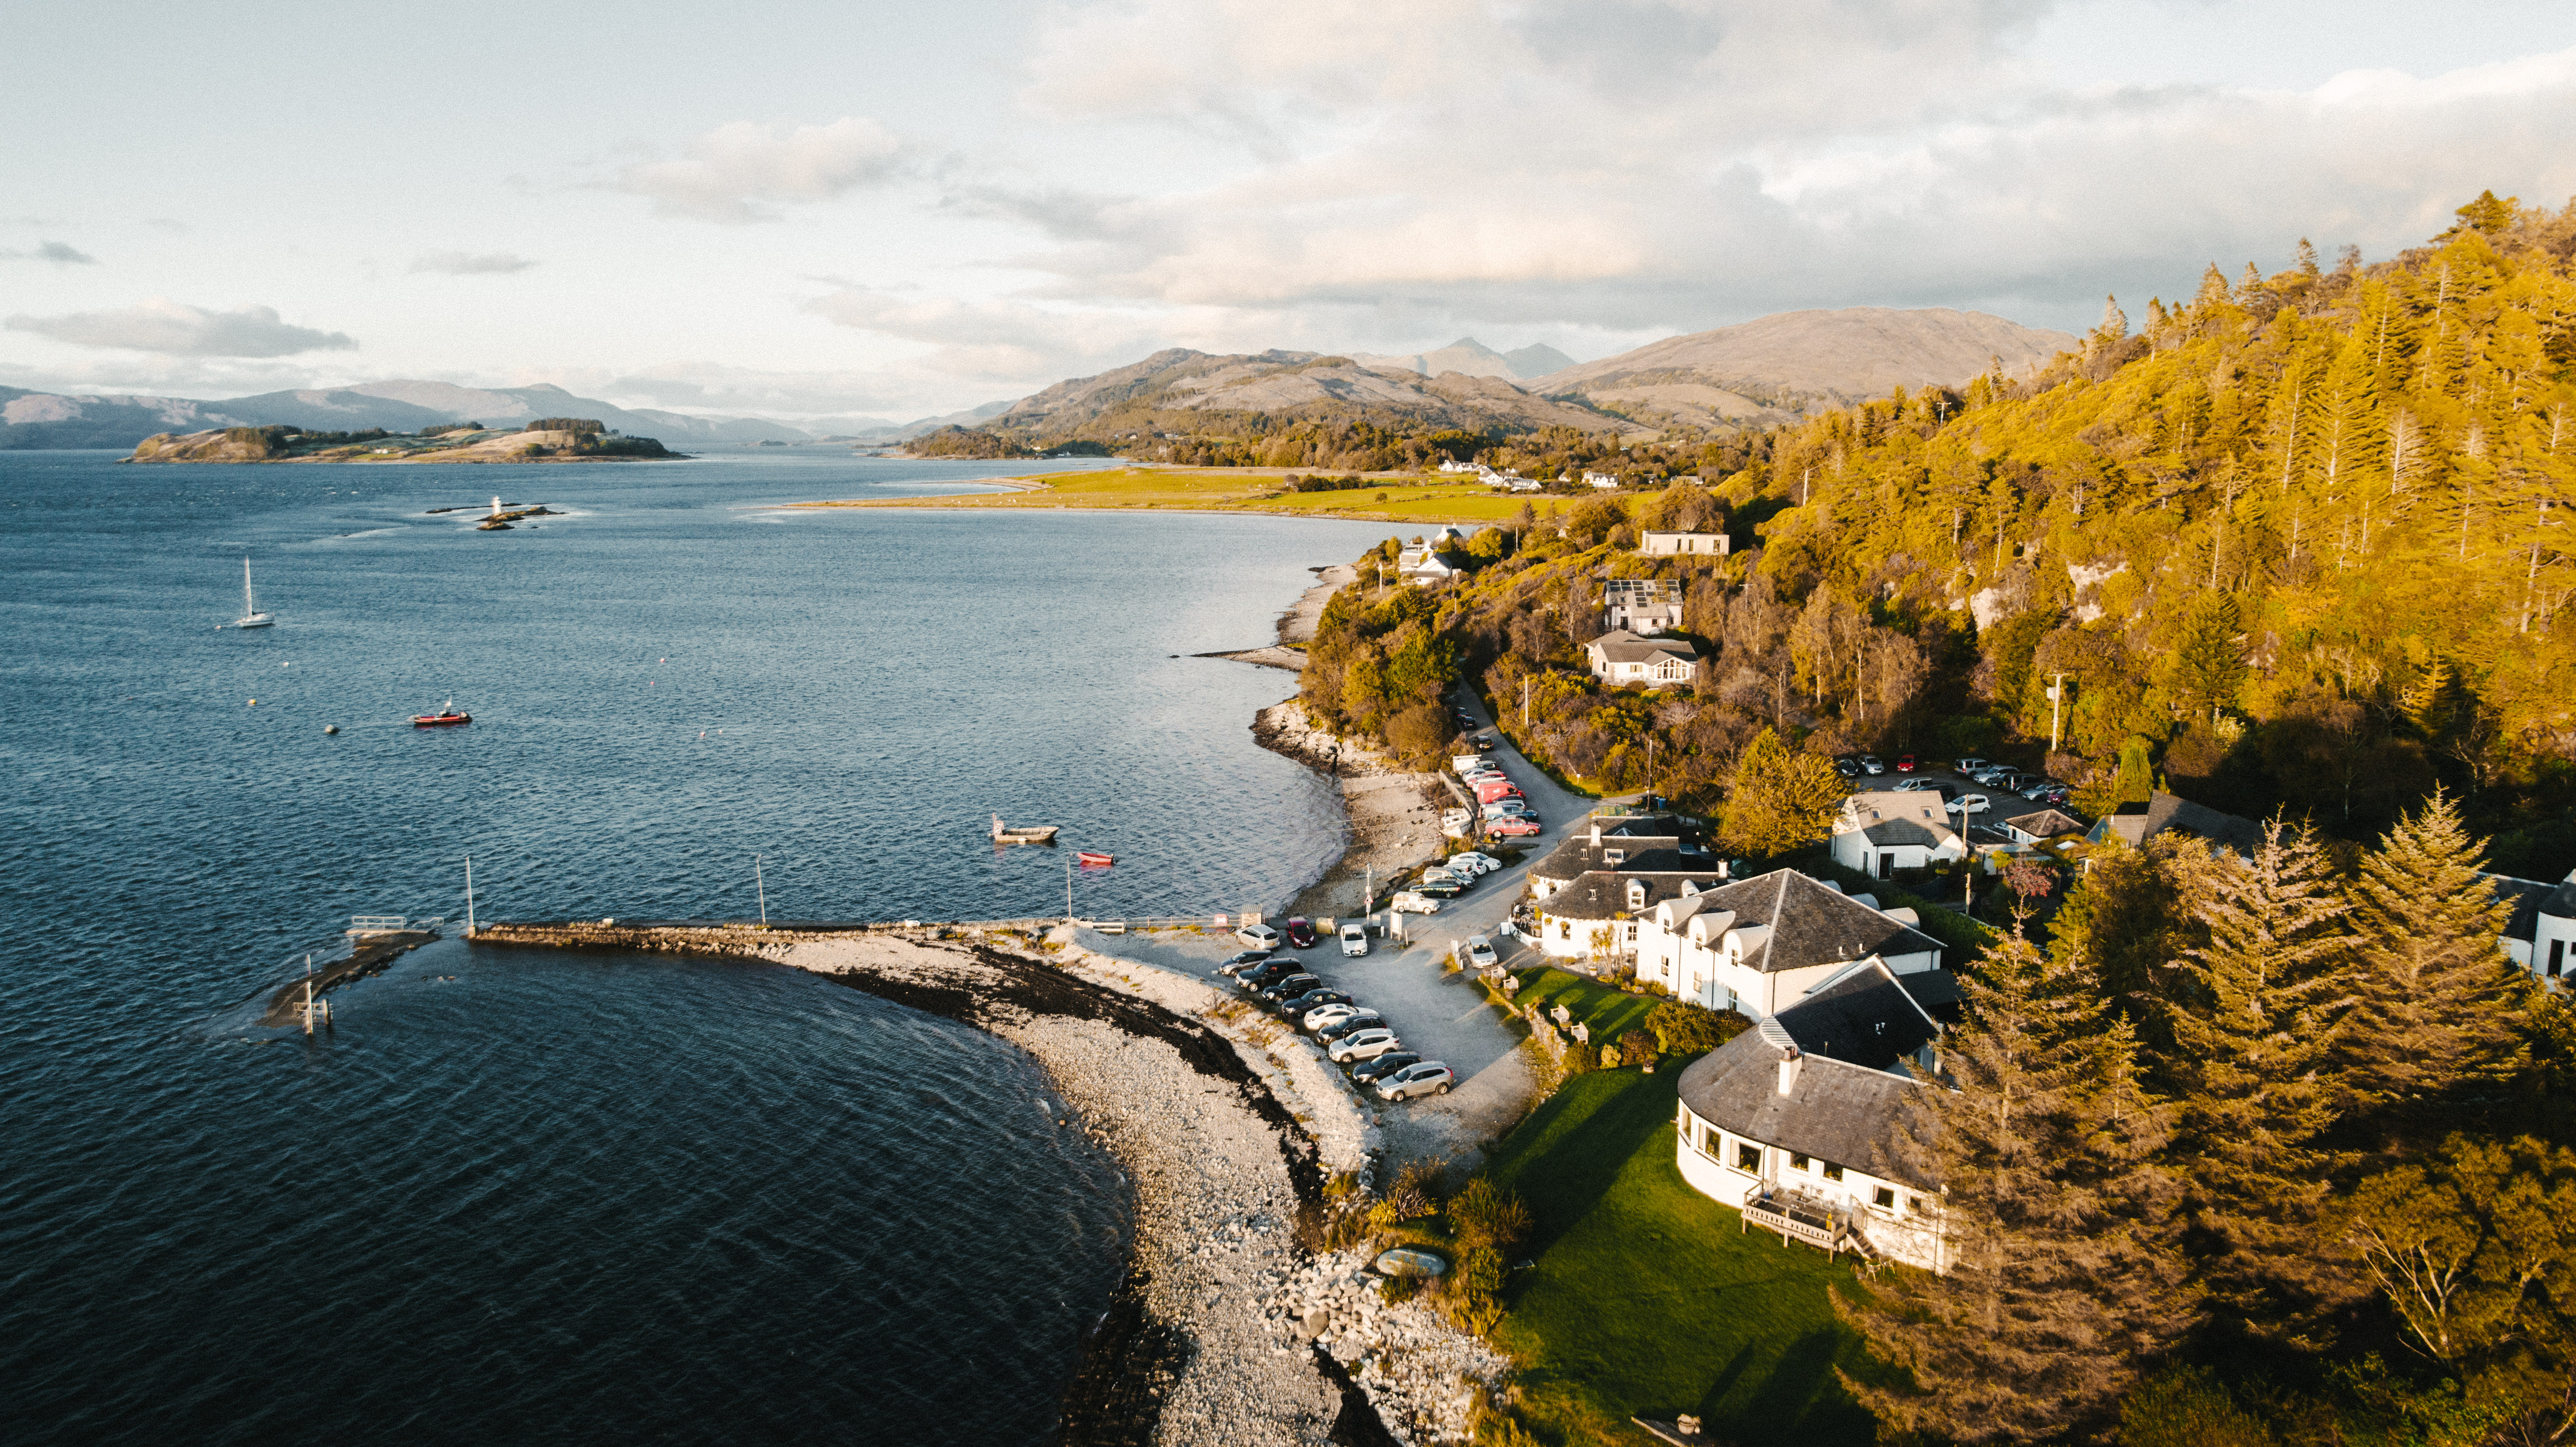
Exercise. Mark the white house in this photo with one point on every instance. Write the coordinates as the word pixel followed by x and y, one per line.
pixel 1643 606
pixel 1667 545
pixel 1423 563
pixel 2164 813
pixel 1793 1122
pixel 1624 658
pixel 1881 831
pixel 1600 480
pixel 1762 945
pixel 2541 934
pixel 2041 826
pixel 1607 842
pixel 1451 464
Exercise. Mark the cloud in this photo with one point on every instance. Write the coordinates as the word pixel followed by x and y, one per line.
pixel 744 171
pixel 53 251
pixel 458 263
pixel 179 330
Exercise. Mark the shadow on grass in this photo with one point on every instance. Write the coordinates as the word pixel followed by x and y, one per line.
pixel 1566 1155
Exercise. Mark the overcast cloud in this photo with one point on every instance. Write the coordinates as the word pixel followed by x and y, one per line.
pixel 1007 192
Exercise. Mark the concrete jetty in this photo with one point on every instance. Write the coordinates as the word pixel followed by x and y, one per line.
pixel 716 937
pixel 368 955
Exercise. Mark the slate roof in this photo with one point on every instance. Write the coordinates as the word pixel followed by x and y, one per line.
pixel 1839 1111
pixel 2138 823
pixel 1864 1017
pixel 1811 924
pixel 1937 991
pixel 1603 893
pixel 1578 855
pixel 2532 898
pixel 1891 818
pixel 1621 646
pixel 2046 824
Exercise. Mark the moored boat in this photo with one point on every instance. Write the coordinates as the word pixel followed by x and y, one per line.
pixel 446 717
pixel 1094 856
pixel 1027 834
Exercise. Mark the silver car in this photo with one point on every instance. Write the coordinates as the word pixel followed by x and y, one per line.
pixel 1327 1015
pixel 1480 953
pixel 1428 1078
pixel 1364 1045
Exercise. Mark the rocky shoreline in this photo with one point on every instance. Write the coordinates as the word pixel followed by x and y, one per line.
pixel 1393 814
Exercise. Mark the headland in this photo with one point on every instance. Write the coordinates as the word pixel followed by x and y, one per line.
pixel 1406 499
pixel 551 439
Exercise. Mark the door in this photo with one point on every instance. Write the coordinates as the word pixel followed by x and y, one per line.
pixel 1887 865
pixel 2557 957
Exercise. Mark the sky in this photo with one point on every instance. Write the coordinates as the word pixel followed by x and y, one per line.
pixel 858 210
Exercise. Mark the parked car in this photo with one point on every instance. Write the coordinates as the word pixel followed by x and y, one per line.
pixel 1905 763
pixel 1301 933
pixel 1495 790
pixel 1269 972
pixel 1364 1045
pixel 1506 808
pixel 1384 1066
pixel 1428 1078
pixel 1324 1017
pixel 1259 936
pixel 1438 889
pixel 1237 964
pixel 1992 775
pixel 2052 794
pixel 1352 1024
pixel 1914 786
pixel 1482 743
pixel 1972 766
pixel 1848 768
pixel 1514 826
pixel 1481 863
pixel 1469 763
pixel 1300 1006
pixel 1289 987
pixel 1443 874
pixel 1413 902
pixel 1869 764
pixel 1354 938
pixel 1480 953
pixel 1966 804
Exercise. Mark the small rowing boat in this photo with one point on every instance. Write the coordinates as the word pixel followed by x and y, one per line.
pixel 1090 857
pixel 1031 834
pixel 447 717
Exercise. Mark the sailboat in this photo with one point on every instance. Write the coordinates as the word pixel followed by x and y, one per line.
pixel 251 616
pixel 446 717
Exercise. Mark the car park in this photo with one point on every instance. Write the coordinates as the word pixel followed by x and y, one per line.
pixel 1385 1065
pixel 1971 766
pixel 1428 1078
pixel 1324 1017
pixel 1480 953
pixel 1259 936
pixel 1413 902
pixel 1354 938
pixel 1518 826
pixel 1966 804
pixel 1301 933
pixel 1366 1044
pixel 1351 1024
pixel 1289 987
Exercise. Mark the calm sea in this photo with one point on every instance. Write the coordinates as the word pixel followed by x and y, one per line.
pixel 520 1196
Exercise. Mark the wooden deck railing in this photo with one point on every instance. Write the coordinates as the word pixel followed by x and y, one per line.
pixel 1797 1218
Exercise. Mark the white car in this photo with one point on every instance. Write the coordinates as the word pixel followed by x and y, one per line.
pixel 1967 804
pixel 1480 953
pixel 1470 763
pixel 1430 1077
pixel 1508 809
pixel 1323 1016
pixel 1410 903
pixel 1915 785
pixel 1259 936
pixel 1482 863
pixel 1364 1045
pixel 1972 766
pixel 1354 939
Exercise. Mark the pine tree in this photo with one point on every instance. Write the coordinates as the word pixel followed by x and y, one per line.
pixel 2209 666
pixel 2064 1279
pixel 1779 801
pixel 2275 986
pixel 2440 999
pixel 2115 322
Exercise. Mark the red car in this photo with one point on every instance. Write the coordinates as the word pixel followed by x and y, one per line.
pixel 1301 933
pixel 1512 828
pixel 1905 764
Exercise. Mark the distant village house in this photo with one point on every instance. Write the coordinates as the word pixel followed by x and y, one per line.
pixel 1881 831
pixel 1641 605
pixel 1624 658
pixel 1669 545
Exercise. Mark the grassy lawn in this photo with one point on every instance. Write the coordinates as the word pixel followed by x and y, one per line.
pixel 1610 1013
pixel 1231 489
pixel 1647 1296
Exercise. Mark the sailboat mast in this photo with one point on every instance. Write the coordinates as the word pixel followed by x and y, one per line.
pixel 249 606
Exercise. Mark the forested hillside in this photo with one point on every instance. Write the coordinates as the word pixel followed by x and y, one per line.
pixel 2299 543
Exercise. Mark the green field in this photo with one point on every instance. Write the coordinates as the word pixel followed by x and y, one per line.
pixel 1609 1013
pixel 1232 489
pixel 1647 1297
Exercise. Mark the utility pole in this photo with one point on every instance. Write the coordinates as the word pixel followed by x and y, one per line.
pixel 758 884
pixel 1524 705
pixel 1068 891
pixel 2056 706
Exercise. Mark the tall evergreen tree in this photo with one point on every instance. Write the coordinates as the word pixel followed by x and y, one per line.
pixel 2439 998
pixel 2210 666
pixel 2065 1282
pixel 2275 987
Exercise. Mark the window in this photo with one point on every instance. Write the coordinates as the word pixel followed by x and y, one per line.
pixel 1914 1205
pixel 2557 957
pixel 1833 1172
pixel 1748 1158
pixel 1797 1162
pixel 1614 856
pixel 1883 1198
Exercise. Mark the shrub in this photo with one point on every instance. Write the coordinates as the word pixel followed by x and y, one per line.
pixel 2187 1407
pixel 1400 1289
pixel 1686 1029
pixel 585 425
pixel 1483 1215
pixel 1639 1047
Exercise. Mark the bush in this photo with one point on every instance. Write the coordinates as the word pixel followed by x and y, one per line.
pixel 1686 1029
pixel 1483 1215
pixel 2187 1407
pixel 586 425
pixel 1639 1047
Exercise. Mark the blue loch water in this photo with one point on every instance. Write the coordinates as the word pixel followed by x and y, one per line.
pixel 529 1197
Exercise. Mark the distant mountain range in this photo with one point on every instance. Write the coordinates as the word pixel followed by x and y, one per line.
pixel 1469 357
pixel 1183 388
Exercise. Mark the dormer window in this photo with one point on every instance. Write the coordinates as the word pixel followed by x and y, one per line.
pixel 1614 856
pixel 1636 894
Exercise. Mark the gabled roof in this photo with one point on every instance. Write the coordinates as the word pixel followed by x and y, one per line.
pixel 1811 923
pixel 1621 646
pixel 1863 1016
pixel 2138 823
pixel 2045 824
pixel 1891 817
pixel 1838 1111
pixel 1603 893
pixel 1578 855
pixel 2532 898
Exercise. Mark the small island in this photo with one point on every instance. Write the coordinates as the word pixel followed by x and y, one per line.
pixel 547 439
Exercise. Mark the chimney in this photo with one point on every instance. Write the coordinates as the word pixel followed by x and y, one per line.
pixel 1789 1070
pixel 1596 832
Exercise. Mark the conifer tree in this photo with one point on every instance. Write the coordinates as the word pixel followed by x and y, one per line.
pixel 2258 1048
pixel 1778 800
pixel 2209 667
pixel 2439 998
pixel 2064 1282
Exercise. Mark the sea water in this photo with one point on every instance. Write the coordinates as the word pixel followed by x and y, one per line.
pixel 526 1196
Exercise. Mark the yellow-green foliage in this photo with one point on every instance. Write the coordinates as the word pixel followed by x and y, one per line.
pixel 2308 499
